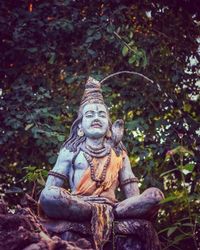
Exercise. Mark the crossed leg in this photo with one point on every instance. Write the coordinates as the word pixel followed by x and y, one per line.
pixel 57 203
pixel 143 206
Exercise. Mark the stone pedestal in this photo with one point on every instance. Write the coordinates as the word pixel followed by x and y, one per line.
pixel 129 234
pixel 26 231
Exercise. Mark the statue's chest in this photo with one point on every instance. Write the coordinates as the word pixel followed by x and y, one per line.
pixel 77 170
pixel 80 162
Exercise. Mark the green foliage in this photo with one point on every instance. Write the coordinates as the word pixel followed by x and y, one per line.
pixel 35 175
pixel 49 48
pixel 184 225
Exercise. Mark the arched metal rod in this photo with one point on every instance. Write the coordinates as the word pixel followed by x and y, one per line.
pixel 126 72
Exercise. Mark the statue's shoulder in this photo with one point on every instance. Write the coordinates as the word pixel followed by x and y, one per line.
pixel 66 154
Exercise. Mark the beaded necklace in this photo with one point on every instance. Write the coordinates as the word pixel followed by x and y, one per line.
pixel 92 169
pixel 96 153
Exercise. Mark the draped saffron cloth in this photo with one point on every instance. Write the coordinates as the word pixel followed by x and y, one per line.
pixel 102 215
pixel 87 186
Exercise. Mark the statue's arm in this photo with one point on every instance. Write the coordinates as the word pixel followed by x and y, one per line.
pixel 61 167
pixel 126 179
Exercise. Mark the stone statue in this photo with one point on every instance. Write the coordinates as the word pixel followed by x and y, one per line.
pixel 95 162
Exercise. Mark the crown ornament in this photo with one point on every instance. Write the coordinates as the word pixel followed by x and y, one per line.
pixel 92 92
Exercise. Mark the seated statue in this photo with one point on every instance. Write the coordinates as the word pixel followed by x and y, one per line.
pixel 95 162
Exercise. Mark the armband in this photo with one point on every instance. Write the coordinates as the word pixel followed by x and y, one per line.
pixel 130 180
pixel 55 174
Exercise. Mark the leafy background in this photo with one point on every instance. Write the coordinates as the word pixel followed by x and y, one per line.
pixel 49 48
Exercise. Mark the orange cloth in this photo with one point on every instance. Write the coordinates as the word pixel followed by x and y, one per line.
pixel 87 186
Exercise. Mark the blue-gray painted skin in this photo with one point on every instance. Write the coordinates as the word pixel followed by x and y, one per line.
pixel 58 203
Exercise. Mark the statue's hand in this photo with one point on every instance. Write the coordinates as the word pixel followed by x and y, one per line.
pixel 153 193
pixel 98 199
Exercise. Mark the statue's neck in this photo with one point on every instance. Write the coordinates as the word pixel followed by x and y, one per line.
pixel 96 148
pixel 95 143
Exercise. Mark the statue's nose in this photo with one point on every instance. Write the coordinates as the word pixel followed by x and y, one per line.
pixel 96 120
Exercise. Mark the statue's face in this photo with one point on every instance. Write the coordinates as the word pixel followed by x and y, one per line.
pixel 95 120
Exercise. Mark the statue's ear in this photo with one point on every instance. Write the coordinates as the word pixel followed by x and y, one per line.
pixel 80 132
pixel 108 133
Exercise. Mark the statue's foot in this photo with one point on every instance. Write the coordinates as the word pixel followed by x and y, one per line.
pixel 98 200
pixel 143 206
pixel 57 203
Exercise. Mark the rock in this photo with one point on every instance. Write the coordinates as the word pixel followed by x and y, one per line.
pixel 23 230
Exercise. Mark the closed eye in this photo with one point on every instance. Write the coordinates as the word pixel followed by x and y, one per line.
pixel 89 114
pixel 102 114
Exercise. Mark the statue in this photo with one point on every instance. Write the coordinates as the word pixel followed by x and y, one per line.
pixel 95 162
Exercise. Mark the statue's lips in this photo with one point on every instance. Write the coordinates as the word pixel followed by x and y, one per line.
pixel 96 125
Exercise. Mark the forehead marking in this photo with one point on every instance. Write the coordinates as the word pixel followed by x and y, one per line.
pixel 94 107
